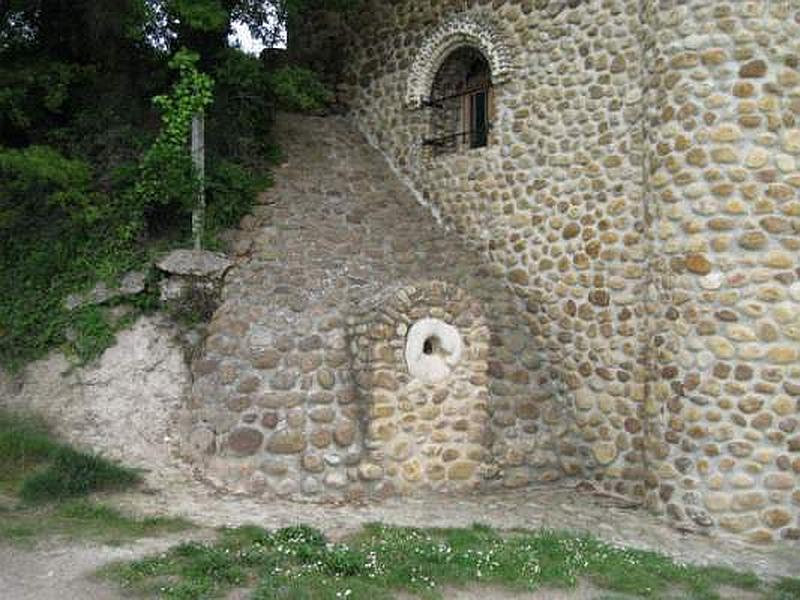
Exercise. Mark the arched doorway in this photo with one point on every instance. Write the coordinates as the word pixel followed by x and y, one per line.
pixel 461 102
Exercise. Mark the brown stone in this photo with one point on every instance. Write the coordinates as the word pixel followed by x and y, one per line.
pixel 752 69
pixel 245 441
pixel 518 276
pixel 267 359
pixel 698 263
pixel 571 231
pixel 344 434
pixel 779 481
pixel 599 297
pixel 269 420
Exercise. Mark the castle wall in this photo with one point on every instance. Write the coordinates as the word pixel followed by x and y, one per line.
pixel 555 202
pixel 723 152
pixel 640 193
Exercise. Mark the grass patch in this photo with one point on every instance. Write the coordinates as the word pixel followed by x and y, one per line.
pixel 71 473
pixel 38 468
pixel 299 563
pixel 49 478
pixel 80 519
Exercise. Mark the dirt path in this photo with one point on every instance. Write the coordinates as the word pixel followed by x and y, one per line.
pixel 65 571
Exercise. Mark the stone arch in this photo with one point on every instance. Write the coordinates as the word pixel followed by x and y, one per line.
pixel 476 31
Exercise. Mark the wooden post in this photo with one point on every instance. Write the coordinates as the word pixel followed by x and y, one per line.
pixel 199 162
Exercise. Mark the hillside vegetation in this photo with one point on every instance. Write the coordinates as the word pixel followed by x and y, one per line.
pixel 96 99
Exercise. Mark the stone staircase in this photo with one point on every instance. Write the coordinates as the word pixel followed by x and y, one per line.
pixel 303 389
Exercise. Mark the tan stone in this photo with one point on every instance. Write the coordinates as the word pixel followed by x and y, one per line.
pixel 738 523
pixel 726 132
pixel 753 240
pixel 760 536
pixel 604 452
pixel 779 481
pixel 698 263
pixel 791 141
pixel 461 470
pixel 783 354
pixel 286 442
pixel 718 501
pixel 757 158
pixel 370 472
pixel 775 518
pixel 749 500
pixel 721 347
pixel 411 471
pixel 779 260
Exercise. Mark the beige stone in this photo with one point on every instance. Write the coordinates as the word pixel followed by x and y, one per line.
pixel 286 442
pixel 775 518
pixel 604 452
pixel 461 470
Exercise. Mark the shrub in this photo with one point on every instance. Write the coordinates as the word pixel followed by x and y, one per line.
pixel 243 112
pixel 72 473
pixel 231 192
pixel 297 88
pixel 57 235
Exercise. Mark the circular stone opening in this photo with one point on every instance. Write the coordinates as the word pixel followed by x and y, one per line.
pixel 433 348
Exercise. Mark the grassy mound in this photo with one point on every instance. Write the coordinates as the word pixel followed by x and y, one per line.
pixel 38 468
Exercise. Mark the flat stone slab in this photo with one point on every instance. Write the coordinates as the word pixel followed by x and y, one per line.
pixel 132 283
pixel 195 263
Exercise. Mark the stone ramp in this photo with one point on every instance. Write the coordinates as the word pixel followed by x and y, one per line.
pixel 303 389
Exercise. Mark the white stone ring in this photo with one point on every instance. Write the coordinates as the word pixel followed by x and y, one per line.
pixel 433 348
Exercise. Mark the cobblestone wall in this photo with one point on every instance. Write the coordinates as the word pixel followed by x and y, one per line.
pixel 309 385
pixel 640 193
pixel 723 150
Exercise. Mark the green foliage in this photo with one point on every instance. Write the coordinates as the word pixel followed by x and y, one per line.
pixel 80 519
pixel 299 563
pixel 72 473
pixel 203 15
pixel 92 333
pixel 43 469
pixel 57 235
pixel 91 179
pixel 297 88
pixel 38 182
pixel 240 120
pixel 25 443
pixel 167 176
pixel 34 93
pixel 231 193
pixel 787 588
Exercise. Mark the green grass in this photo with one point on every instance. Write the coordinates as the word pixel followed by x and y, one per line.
pixel 42 482
pixel 80 519
pixel 298 563
pixel 38 468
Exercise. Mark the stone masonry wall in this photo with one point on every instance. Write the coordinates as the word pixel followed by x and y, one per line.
pixel 640 193
pixel 555 202
pixel 304 387
pixel 724 178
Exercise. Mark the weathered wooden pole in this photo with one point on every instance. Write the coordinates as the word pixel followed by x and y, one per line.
pixel 199 162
